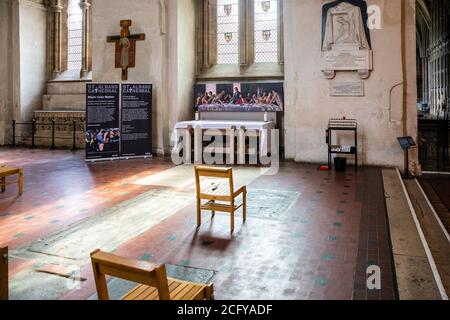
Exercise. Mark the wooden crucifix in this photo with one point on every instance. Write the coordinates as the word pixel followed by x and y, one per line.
pixel 125 48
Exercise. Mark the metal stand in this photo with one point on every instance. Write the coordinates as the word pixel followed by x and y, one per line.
pixel 406 174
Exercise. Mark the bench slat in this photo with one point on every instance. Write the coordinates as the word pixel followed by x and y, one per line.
pixel 154 295
pixel 195 293
pixel 178 290
pixel 141 292
pixel 136 292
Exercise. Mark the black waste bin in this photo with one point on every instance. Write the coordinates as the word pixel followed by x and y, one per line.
pixel 340 164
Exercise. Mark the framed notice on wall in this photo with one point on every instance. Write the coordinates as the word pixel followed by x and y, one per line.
pixel 102 121
pixel 136 121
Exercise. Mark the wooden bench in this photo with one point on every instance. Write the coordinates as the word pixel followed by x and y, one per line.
pixel 220 196
pixel 4 274
pixel 9 171
pixel 155 285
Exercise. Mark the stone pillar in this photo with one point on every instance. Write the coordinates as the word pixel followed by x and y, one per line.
pixel 206 33
pixel 280 33
pixel 245 32
pixel 56 8
pixel 85 7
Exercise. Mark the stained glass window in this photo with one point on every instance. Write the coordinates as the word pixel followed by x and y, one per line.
pixel 75 35
pixel 227 31
pixel 266 31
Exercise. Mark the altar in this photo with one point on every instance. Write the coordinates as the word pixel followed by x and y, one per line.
pixel 183 131
pixel 234 118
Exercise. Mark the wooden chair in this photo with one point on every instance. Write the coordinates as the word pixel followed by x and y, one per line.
pixel 4 274
pixel 220 196
pixel 155 285
pixel 9 171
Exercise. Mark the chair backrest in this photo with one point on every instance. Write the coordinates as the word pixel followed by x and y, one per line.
pixel 4 274
pixel 141 272
pixel 213 172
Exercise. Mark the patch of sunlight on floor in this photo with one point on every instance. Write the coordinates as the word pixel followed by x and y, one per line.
pixel 183 177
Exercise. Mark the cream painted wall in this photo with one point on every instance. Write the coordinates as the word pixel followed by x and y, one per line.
pixel 33 38
pixel 22 61
pixel 380 113
pixel 166 58
pixel 182 60
pixel 150 54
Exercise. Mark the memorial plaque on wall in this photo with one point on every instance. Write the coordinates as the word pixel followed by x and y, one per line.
pixel 346 89
pixel 136 120
pixel 102 121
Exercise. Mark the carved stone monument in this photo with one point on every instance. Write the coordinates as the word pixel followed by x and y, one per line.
pixel 63 128
pixel 346 39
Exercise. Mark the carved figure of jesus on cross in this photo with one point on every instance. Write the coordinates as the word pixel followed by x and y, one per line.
pixel 125 53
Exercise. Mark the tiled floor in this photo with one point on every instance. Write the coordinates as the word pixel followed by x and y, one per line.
pixel 318 249
pixel 437 188
pixel 440 185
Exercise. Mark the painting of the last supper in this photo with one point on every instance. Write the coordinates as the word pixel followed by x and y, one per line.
pixel 239 97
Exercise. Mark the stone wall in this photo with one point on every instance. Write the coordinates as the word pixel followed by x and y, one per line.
pixel 33 37
pixel 388 109
pixel 6 71
pixel 22 62
pixel 166 58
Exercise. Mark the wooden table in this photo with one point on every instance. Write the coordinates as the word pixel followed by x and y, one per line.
pixel 9 171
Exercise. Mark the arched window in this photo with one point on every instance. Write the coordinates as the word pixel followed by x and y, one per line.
pixel 235 37
pixel 266 31
pixel 74 35
pixel 227 31
pixel 70 36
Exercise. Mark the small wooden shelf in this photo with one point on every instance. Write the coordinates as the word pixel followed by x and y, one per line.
pixel 336 125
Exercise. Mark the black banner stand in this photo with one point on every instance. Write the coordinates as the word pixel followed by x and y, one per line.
pixel 102 122
pixel 118 122
pixel 136 121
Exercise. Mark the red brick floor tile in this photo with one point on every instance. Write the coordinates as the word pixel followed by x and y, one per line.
pixel 319 249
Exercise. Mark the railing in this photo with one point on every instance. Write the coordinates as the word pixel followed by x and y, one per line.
pixel 434 139
pixel 34 125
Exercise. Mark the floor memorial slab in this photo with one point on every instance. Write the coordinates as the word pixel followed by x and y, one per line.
pixel 113 226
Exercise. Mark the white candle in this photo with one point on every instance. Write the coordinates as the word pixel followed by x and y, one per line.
pixel 266 117
pixel 197 116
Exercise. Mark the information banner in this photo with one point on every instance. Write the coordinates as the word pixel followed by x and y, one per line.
pixel 136 120
pixel 102 121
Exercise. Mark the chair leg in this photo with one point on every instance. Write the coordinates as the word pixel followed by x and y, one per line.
pixel 244 206
pixel 20 182
pixel 232 220
pixel 199 214
pixel 3 183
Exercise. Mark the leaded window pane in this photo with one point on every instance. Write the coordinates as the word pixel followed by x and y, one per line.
pixel 266 31
pixel 75 35
pixel 227 31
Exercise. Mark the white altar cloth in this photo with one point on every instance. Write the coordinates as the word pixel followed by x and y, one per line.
pixel 262 127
